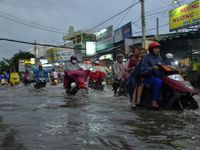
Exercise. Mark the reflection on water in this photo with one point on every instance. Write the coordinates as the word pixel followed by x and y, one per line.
pixel 46 119
pixel 8 138
pixel 9 141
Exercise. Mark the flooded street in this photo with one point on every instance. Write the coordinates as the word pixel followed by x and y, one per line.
pixel 48 120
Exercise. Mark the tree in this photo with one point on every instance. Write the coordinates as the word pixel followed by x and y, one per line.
pixel 4 66
pixel 12 63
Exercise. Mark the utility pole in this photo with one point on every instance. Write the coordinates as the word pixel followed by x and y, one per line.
pixel 157 28
pixel 143 24
pixel 35 48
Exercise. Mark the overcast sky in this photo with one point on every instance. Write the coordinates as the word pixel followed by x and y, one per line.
pixel 82 14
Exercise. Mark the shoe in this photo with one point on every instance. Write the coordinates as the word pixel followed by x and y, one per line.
pixel 155 105
pixel 133 105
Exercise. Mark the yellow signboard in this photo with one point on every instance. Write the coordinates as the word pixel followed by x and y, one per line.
pixel 184 16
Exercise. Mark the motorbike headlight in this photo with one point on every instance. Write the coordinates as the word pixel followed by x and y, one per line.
pixel 176 77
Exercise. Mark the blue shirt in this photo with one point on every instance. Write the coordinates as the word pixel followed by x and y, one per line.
pixel 41 73
pixel 146 68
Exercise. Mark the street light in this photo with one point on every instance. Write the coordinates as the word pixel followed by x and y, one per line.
pixel 176 2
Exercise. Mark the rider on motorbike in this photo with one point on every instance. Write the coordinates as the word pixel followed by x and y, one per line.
pixel 72 65
pixel 14 78
pixel 54 77
pixel 26 77
pixel 119 72
pixel 151 73
pixel 4 78
pixel 41 73
pixel 135 82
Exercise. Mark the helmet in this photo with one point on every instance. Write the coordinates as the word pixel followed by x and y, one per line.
pixel 152 45
pixel 169 56
pixel 130 55
pixel 119 56
pixel 73 57
pixel 97 62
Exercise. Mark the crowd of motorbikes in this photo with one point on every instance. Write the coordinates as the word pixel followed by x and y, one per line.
pixel 177 93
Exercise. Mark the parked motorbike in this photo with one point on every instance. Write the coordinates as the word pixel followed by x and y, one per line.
pixel 75 80
pixel 40 83
pixel 96 80
pixel 177 93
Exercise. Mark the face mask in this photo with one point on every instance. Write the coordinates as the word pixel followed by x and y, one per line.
pixel 74 61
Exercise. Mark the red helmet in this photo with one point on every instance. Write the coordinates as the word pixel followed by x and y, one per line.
pixel 153 44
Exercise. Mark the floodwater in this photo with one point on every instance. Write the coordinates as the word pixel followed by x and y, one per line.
pixel 48 120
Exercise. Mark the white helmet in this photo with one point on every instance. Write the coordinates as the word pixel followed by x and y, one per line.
pixel 169 55
pixel 97 62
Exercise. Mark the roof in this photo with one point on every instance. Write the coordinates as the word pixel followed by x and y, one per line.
pixel 172 36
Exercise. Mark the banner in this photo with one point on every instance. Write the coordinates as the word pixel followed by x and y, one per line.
pixel 59 54
pixel 90 48
pixel 123 33
pixel 104 39
pixel 185 16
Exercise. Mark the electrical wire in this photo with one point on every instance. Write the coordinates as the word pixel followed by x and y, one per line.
pixel 112 17
pixel 30 22
pixel 30 25
pixel 124 17
pixel 151 29
pixel 32 43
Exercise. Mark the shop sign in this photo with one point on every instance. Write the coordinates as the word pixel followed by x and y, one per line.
pixel 185 16
pixel 123 32
pixel 104 39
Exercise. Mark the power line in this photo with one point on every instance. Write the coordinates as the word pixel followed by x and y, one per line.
pixel 113 16
pixel 33 43
pixel 124 17
pixel 30 22
pixel 151 29
pixel 30 25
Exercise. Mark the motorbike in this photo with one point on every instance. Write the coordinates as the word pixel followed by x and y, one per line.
pixel 54 81
pixel 96 80
pixel 75 80
pixel 3 81
pixel 14 79
pixel 176 92
pixel 40 83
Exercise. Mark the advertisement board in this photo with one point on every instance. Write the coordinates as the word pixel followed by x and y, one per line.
pixel 184 16
pixel 21 65
pixel 59 54
pixel 104 39
pixel 90 48
pixel 123 32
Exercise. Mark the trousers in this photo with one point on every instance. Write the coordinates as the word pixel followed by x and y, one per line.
pixel 155 84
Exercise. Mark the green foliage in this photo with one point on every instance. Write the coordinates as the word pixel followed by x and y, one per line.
pixel 12 63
